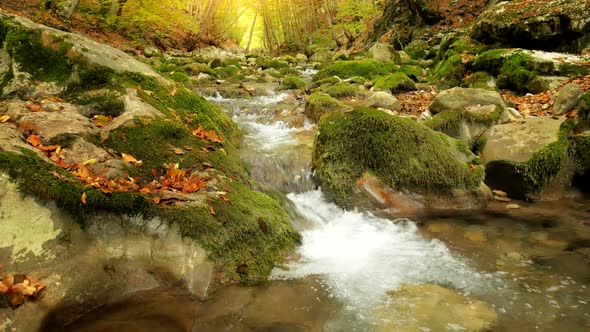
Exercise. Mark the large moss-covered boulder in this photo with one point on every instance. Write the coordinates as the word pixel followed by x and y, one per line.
pixel 431 307
pixel 405 156
pixel 528 159
pixel 561 25
pixel 396 82
pixel 386 53
pixel 102 106
pixel 318 104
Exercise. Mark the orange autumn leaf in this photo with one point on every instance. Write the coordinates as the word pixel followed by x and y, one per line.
pixel 48 147
pixel 34 140
pixel 83 198
pixel 177 151
pixel 130 159
pixel 212 210
pixel 156 199
pixel 34 108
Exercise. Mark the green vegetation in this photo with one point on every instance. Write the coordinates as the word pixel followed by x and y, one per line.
pixel 292 83
pixel 265 63
pixel 414 72
pixel 584 111
pixel 396 82
pixel 318 104
pixel 367 68
pixel 450 71
pixel 342 90
pixel 45 61
pixel 545 163
pixel 402 153
pixel 581 148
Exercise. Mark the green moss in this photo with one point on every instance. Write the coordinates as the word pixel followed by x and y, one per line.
pixel 584 111
pixel 4 301
pixel 356 80
pixel 450 71
pixel 106 104
pixel 318 104
pixel 414 72
pixel 581 148
pixel 367 68
pixel 289 59
pixel 545 163
pixel 254 229
pixel 43 63
pixel 490 61
pixel 479 80
pixel 570 69
pixel 36 178
pixel 292 83
pixel 341 90
pixel 265 63
pixel 289 71
pixel 328 80
pixel 396 82
pixel 402 153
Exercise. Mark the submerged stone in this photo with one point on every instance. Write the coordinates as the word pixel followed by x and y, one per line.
pixel 431 307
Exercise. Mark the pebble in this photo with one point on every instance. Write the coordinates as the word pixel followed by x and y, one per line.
pixel 502 199
pixel 513 206
pixel 500 193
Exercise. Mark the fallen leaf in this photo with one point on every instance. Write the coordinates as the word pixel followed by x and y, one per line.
pixel 34 108
pixel 34 140
pixel 225 199
pixel 156 199
pixel 27 128
pixel 188 148
pixel 212 210
pixel 48 147
pixel 4 118
pixel 83 198
pixel 54 99
pixel 207 166
pixel 174 92
pixel 89 162
pixel 130 159
pixel 177 151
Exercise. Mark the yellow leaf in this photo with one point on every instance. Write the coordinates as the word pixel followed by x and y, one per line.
pixel 130 159
pixel 89 162
pixel 84 198
pixel 4 118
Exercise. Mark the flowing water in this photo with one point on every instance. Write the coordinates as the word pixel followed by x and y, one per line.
pixel 350 261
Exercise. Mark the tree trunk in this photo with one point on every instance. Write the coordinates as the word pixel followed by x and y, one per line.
pixel 252 27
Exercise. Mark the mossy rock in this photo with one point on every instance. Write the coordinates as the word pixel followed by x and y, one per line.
pixel 265 63
pixel 292 83
pixel 406 156
pixel 367 68
pixel 464 99
pixel 450 67
pixel 480 80
pixel 529 159
pixel 318 104
pixel 254 231
pixel 342 90
pixel 584 111
pixel 581 151
pixel 466 125
pixel 396 82
pixel 414 72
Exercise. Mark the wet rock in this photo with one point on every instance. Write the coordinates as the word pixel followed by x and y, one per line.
pixel 500 193
pixel 319 104
pixel 151 51
pixel 382 99
pixel 383 52
pixel 513 206
pixel 301 58
pixel 502 199
pixel 529 158
pixel 567 98
pixel 563 26
pixel 433 308
pixel 543 239
pixel 475 234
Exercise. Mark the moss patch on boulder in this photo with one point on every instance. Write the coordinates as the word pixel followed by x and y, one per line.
pixel 342 90
pixel 396 82
pixel 292 83
pixel 367 68
pixel 403 154
pixel 318 104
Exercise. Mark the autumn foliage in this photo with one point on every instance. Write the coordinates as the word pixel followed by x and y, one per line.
pixel 18 287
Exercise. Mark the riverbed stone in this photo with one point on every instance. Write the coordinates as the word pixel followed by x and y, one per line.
pixel 134 108
pixel 528 158
pixel 319 104
pixel 383 99
pixel 431 307
pixel 567 98
pixel 404 155
pixel 383 52
pixel 465 98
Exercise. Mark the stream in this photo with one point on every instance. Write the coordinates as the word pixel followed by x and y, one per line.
pixel 342 276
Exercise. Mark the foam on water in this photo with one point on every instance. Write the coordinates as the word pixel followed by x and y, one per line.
pixel 361 256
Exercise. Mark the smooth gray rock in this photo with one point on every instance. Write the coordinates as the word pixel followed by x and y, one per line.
pixel 463 98
pixel 567 98
pixel 382 99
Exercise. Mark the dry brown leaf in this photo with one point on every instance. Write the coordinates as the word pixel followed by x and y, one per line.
pixel 34 108
pixel 212 210
pixel 83 198
pixel 156 199
pixel 174 92
pixel 177 151
pixel 34 140
pixel 48 147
